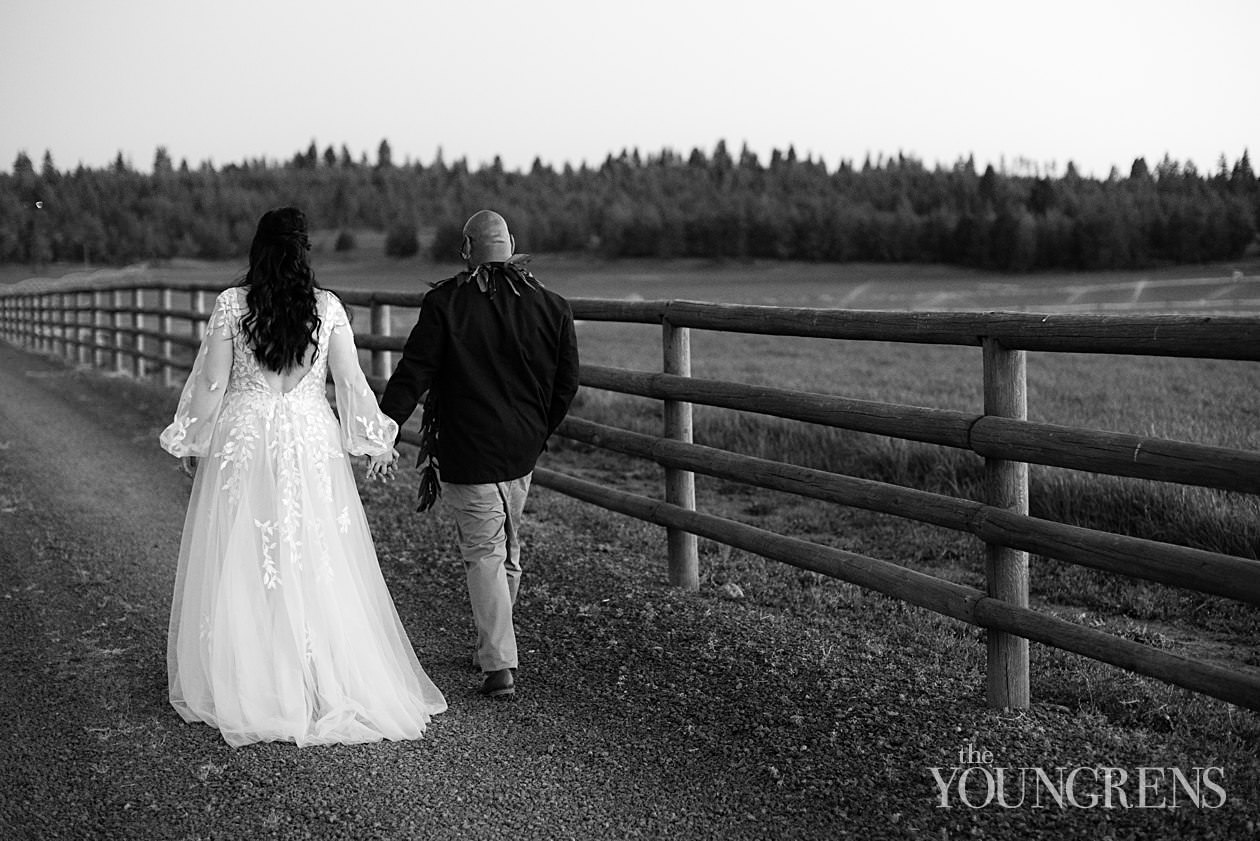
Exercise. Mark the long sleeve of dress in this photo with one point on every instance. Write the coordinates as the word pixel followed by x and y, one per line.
pixel 365 430
pixel 197 413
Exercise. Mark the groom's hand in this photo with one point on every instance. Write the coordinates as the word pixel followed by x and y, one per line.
pixel 382 466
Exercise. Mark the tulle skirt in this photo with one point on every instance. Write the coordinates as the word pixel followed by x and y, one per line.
pixel 282 628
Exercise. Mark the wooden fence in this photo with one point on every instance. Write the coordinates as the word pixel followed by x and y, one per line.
pixel 131 327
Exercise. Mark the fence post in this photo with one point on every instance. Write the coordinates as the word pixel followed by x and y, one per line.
pixel 46 322
pixel 74 314
pixel 137 322
pixel 100 318
pixel 33 322
pixel 61 329
pixel 680 485
pixel 382 360
pixel 47 326
pixel 199 306
pixel 37 321
pixel 69 327
pixel 115 322
pixel 83 327
pixel 56 325
pixel 54 316
pixel 1006 570
pixel 28 321
pixel 19 320
pixel 167 323
pixel 70 318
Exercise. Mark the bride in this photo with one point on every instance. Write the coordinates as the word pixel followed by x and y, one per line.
pixel 282 628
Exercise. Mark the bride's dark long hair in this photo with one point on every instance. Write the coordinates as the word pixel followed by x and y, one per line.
pixel 282 322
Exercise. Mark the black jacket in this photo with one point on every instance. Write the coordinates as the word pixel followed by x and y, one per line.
pixel 502 359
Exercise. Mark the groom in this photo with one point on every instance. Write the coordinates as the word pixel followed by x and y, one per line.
pixel 497 355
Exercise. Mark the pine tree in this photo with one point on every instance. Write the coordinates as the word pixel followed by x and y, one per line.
pixel 162 162
pixel 48 172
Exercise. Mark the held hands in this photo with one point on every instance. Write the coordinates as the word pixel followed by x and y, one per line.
pixel 188 464
pixel 382 466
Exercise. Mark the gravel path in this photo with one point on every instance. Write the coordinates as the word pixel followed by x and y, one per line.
pixel 643 712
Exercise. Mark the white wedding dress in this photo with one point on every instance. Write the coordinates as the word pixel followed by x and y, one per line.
pixel 282 628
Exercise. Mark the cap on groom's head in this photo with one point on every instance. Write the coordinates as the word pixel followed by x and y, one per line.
pixel 486 239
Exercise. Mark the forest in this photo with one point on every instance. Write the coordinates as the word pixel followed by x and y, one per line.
pixel 706 205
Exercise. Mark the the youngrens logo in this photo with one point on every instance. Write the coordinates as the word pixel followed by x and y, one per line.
pixel 976 783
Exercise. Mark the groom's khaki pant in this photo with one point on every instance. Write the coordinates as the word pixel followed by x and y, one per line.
pixel 487 520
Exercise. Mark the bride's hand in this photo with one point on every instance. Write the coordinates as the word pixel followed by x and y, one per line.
pixel 189 465
pixel 382 466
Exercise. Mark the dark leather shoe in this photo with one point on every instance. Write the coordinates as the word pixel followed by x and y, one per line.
pixel 499 684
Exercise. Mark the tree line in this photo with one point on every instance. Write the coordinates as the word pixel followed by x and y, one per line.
pixel 708 205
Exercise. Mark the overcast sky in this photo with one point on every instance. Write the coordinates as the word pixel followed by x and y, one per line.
pixel 1098 82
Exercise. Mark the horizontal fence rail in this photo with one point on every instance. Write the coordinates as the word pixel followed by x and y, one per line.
pixel 994 437
pixel 1180 566
pixel 1206 337
pixel 139 324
